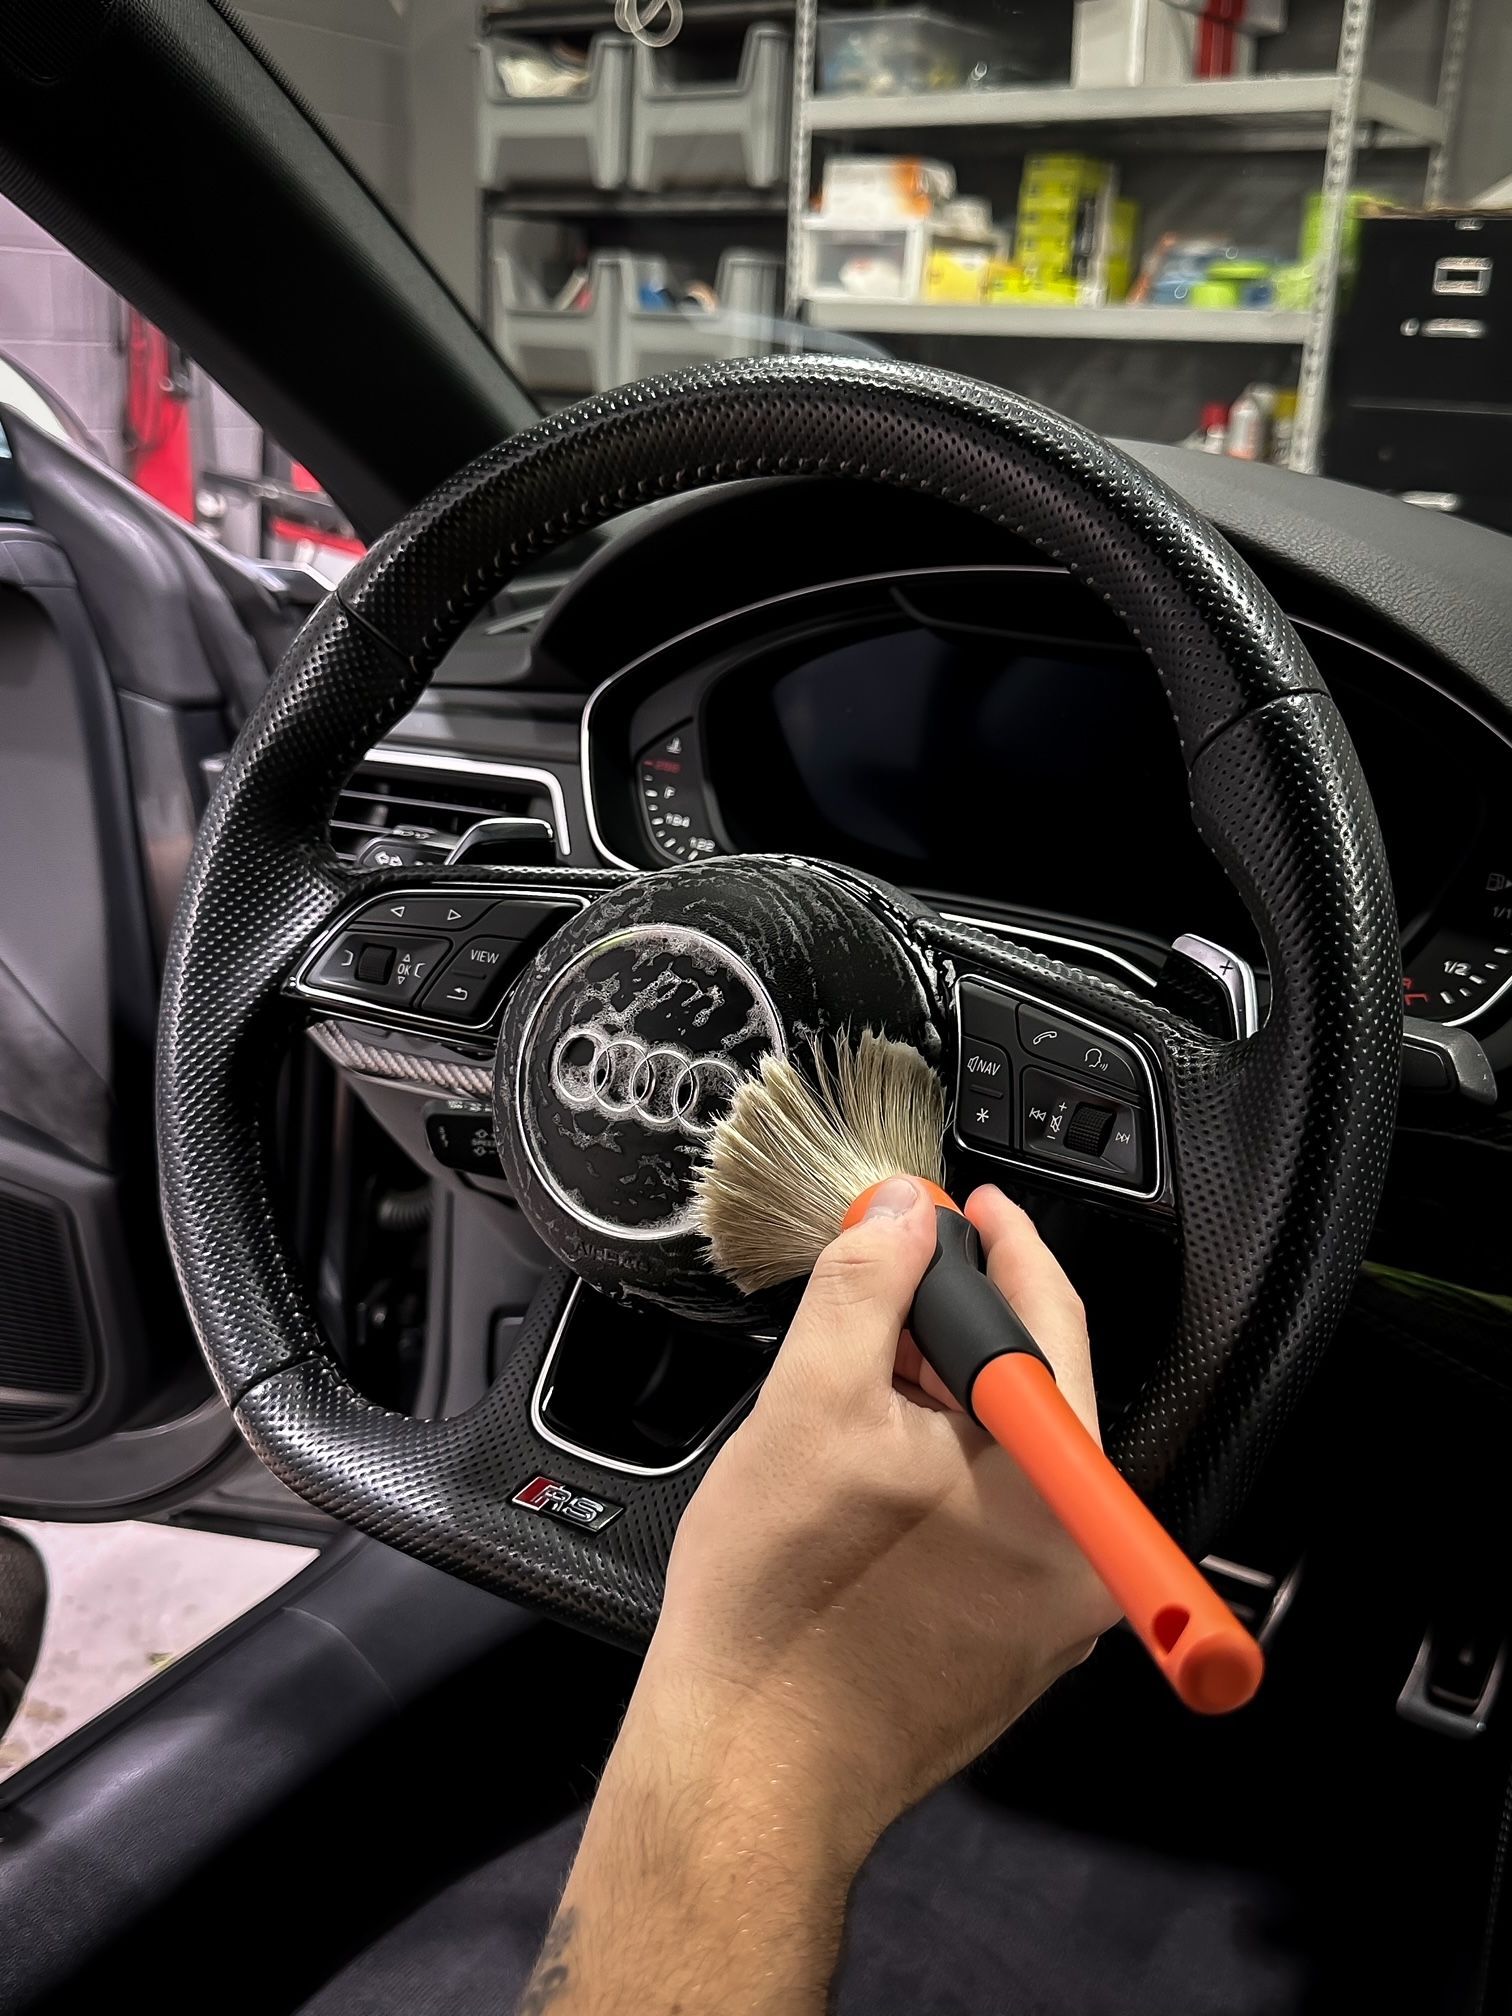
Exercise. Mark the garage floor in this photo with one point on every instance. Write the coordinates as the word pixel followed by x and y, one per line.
pixel 125 1600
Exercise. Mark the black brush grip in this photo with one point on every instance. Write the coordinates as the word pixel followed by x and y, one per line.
pixel 959 1320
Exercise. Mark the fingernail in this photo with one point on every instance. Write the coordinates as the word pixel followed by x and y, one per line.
pixel 893 1199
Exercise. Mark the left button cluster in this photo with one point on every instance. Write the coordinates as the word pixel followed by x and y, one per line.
pixel 447 957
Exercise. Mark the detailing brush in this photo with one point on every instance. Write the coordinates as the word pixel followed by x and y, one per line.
pixel 793 1163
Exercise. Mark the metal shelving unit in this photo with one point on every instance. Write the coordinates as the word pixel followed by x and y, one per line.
pixel 1240 111
pixel 1117 322
pixel 1340 113
pixel 636 202
pixel 502 19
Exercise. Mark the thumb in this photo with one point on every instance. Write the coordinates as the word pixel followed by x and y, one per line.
pixel 844 1338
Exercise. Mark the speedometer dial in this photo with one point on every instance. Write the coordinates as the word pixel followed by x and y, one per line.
pixel 673 807
pixel 1466 962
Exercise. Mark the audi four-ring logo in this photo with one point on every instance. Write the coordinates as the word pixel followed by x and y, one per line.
pixel 618 1076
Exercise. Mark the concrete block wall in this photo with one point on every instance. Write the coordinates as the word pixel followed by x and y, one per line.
pixel 60 323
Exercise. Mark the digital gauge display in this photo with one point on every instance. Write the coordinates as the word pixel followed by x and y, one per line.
pixel 674 810
pixel 1466 961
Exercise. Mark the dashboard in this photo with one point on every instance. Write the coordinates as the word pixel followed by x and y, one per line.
pixel 989 738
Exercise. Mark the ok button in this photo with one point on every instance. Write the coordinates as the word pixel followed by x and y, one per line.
pixel 984 1068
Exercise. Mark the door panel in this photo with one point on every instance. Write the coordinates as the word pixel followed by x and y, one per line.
pixel 106 604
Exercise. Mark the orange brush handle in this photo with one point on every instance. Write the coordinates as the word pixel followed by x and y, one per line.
pixel 971 1336
pixel 1194 1638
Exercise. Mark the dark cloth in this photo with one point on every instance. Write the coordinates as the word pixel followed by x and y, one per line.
pixel 965 1909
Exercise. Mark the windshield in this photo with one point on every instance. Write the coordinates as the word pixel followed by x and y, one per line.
pixel 1266 229
pixel 1275 230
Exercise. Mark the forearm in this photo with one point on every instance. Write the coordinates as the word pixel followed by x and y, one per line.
pixel 713 1873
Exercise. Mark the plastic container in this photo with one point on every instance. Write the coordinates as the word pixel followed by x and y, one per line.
pixel 845 261
pixel 578 141
pixel 748 285
pixel 913 50
pixel 688 132
pixel 613 337
pixel 570 350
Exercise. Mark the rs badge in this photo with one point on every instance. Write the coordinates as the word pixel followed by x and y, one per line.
pixel 574 1508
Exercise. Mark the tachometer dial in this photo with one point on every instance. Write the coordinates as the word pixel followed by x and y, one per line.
pixel 673 807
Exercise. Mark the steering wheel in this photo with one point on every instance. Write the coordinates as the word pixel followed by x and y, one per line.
pixel 635 1002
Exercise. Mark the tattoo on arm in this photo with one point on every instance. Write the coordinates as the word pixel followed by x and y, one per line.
pixel 552 1973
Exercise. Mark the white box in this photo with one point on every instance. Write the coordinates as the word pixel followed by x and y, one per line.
pixel 1131 42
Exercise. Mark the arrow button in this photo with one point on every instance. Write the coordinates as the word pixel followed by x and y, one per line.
pixel 425 913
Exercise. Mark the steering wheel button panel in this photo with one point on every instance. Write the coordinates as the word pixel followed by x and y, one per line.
pixel 1069 1048
pixel 1081 1103
pixel 387 970
pixel 375 964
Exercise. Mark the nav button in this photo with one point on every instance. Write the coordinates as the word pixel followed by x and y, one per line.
pixel 984 1070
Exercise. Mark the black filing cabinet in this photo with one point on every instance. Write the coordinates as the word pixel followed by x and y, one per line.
pixel 1421 395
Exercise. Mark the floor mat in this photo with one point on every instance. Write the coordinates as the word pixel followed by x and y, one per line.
pixel 965 1909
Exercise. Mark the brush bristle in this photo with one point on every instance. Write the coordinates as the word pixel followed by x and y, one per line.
pixel 790 1157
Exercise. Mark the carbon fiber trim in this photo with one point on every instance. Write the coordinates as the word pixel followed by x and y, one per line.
pixel 441 1074
pixel 1279 1154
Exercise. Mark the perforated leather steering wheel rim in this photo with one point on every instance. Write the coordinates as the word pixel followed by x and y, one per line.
pixel 1280 1144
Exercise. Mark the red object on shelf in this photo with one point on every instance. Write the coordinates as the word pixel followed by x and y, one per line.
pixel 1225 33
pixel 157 417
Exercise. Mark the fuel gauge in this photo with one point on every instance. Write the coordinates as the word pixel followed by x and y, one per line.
pixel 1466 962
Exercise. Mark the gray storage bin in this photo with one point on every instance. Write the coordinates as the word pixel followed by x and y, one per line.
pixel 731 134
pixel 748 285
pixel 575 350
pixel 572 142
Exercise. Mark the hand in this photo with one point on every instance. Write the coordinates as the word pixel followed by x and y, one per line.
pixel 863 1593
pixel 863 1574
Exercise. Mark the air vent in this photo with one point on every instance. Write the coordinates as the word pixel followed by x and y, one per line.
pixel 46 1351
pixel 448 797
